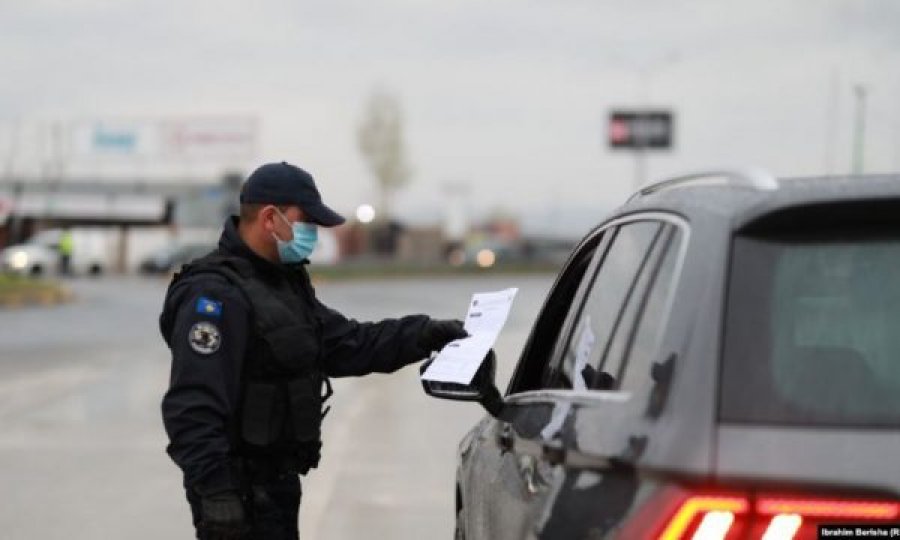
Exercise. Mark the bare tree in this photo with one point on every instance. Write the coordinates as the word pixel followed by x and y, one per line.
pixel 380 139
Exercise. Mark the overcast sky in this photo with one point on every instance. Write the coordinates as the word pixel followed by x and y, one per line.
pixel 510 97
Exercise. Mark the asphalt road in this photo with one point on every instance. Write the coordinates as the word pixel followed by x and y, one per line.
pixel 82 443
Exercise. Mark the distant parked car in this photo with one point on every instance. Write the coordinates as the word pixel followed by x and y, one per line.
pixel 170 258
pixel 40 254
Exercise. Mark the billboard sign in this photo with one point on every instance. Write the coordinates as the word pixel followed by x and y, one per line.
pixel 210 137
pixel 111 138
pixel 203 137
pixel 641 129
pixel 114 140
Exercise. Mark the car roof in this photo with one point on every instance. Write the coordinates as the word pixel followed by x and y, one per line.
pixel 735 205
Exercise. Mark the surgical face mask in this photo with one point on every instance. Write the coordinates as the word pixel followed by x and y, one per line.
pixel 305 237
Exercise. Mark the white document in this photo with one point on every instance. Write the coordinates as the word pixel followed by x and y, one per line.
pixel 460 359
pixel 583 354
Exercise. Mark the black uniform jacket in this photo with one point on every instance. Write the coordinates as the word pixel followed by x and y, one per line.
pixel 209 342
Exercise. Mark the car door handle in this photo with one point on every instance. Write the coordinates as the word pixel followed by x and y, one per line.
pixel 635 448
pixel 505 438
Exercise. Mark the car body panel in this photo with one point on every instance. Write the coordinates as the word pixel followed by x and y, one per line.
pixel 851 458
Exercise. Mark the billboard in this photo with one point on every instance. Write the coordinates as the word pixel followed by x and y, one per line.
pixel 641 129
pixel 194 138
pixel 122 138
pixel 212 137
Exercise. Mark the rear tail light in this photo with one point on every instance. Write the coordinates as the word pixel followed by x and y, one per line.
pixel 709 515
pixel 677 514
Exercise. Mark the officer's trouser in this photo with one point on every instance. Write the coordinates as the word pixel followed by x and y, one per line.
pixel 271 507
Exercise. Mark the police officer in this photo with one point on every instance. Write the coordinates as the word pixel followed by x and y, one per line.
pixel 252 351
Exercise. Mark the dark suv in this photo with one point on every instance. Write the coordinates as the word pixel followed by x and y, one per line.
pixel 719 359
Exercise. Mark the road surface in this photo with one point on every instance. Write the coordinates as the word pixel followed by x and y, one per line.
pixel 82 444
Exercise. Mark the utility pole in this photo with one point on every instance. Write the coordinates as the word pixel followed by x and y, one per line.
pixel 859 132
pixel 9 166
pixel 645 93
pixel 56 132
pixel 640 168
pixel 832 114
pixel 14 219
pixel 897 140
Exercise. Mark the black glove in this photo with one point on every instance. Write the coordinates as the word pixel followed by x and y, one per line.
pixel 222 516
pixel 437 333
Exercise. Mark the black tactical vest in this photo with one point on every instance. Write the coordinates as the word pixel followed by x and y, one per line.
pixel 283 387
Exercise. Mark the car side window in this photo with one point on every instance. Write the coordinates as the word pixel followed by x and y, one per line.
pixel 646 368
pixel 608 374
pixel 592 357
pixel 532 366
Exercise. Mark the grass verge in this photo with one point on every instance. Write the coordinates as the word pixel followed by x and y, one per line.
pixel 18 291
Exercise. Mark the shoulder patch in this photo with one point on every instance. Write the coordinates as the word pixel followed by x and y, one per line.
pixel 204 337
pixel 208 306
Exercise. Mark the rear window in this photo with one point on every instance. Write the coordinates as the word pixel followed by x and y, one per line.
pixel 812 332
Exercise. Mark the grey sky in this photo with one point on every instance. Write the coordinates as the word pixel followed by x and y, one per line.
pixel 509 96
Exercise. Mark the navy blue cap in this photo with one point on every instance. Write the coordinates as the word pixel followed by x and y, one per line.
pixel 283 183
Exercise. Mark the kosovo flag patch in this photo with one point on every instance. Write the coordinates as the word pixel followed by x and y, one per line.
pixel 207 306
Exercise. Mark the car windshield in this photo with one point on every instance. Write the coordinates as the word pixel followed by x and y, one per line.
pixel 812 334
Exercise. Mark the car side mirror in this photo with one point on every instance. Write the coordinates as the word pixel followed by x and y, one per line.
pixel 482 389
